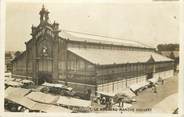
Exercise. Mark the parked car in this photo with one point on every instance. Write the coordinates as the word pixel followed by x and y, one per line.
pixel 27 83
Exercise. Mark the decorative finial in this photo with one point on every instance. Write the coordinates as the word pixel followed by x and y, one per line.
pixel 43 6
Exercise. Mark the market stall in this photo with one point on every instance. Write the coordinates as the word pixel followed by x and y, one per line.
pixel 42 97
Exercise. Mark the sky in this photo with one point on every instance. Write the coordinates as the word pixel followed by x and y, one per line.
pixel 148 23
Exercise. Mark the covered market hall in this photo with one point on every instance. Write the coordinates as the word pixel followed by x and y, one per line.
pixel 87 63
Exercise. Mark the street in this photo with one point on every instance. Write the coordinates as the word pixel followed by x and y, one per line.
pixel 147 99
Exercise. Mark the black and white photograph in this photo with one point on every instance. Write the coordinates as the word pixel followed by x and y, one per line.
pixel 91 57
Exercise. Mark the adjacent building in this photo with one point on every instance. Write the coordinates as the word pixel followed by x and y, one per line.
pixel 85 62
pixel 173 55
pixel 9 55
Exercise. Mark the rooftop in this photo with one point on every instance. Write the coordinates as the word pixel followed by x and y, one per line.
pixel 77 36
pixel 107 57
pixel 168 53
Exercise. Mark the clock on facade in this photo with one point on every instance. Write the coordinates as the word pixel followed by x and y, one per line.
pixel 45 51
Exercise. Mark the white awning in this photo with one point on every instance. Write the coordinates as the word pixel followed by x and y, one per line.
pixel 13 83
pixel 26 81
pixel 52 85
pixel 137 86
pixel 19 96
pixel 36 106
pixel 106 93
pixel 57 86
pixel 69 101
pixel 9 79
pixel 128 92
pixel 153 80
pixel 9 74
pixel 17 79
pixel 16 92
pixel 42 97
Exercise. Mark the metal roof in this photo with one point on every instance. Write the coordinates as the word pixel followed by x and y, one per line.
pixel 107 57
pixel 42 97
pixel 22 101
pixel 74 36
pixel 168 53
pixel 19 96
pixel 16 92
pixel 32 105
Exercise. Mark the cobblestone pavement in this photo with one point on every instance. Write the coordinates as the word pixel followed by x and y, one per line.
pixel 147 99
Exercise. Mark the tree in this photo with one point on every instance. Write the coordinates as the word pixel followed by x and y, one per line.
pixel 17 53
pixel 168 47
pixel 172 56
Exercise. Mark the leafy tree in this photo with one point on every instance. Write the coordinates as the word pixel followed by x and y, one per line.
pixel 168 47
pixel 17 53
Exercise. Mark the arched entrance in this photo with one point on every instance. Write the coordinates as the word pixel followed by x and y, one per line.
pixel 44 77
pixel 44 72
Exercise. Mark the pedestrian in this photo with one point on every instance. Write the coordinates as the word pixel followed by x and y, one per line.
pixel 122 102
pixel 103 100
pixel 119 101
pixel 111 100
pixel 152 88
pixel 98 100
pixel 107 105
pixel 155 89
pixel 110 103
pixel 162 82
pixel 136 92
pixel 151 84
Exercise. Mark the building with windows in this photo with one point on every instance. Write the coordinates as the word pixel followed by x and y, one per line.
pixel 87 63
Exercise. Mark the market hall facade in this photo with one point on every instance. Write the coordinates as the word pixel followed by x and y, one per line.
pixel 87 62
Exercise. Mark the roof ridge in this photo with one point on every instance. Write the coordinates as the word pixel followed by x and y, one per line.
pixel 71 35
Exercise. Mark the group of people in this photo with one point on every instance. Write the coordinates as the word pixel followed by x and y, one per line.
pixel 121 102
pixel 107 101
pixel 154 87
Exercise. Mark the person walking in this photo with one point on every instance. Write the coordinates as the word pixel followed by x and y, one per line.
pixel 155 89
pixel 110 103
pixel 119 101
pixel 103 100
pixel 162 82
